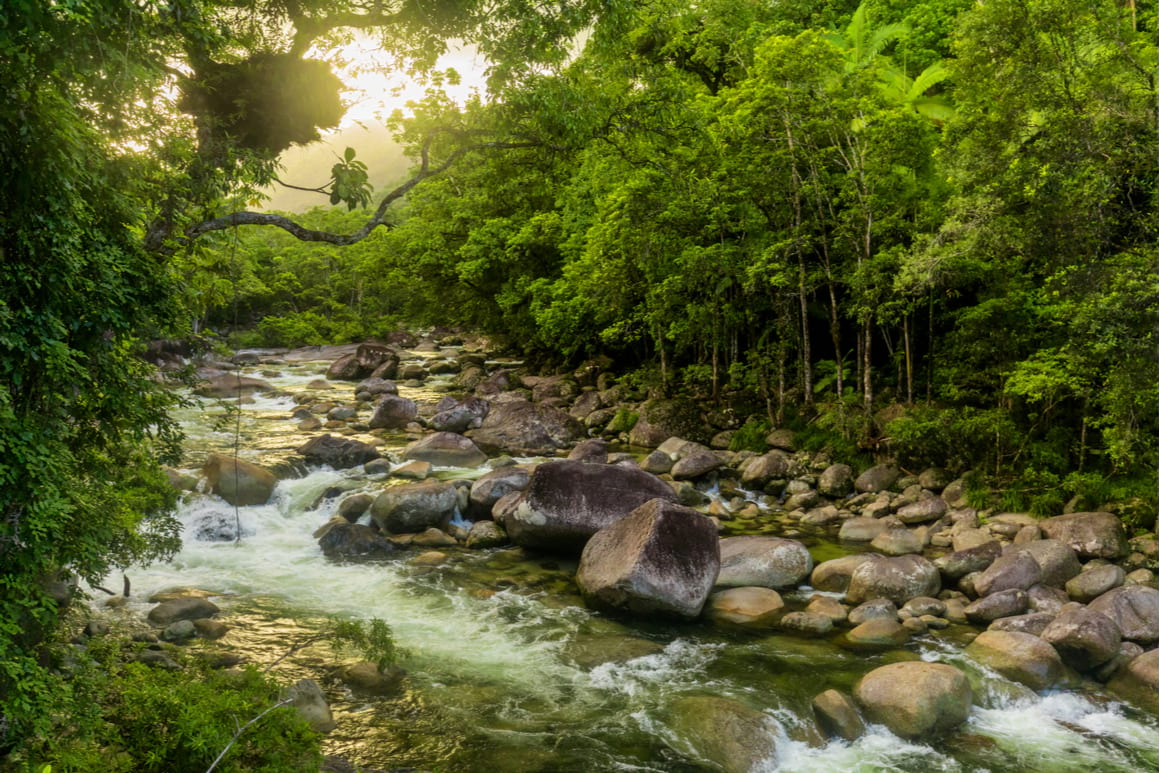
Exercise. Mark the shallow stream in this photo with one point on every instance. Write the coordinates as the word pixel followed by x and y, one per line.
pixel 508 671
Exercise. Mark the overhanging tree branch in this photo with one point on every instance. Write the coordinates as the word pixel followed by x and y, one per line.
pixel 305 234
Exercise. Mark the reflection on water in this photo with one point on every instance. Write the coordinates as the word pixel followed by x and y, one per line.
pixel 507 671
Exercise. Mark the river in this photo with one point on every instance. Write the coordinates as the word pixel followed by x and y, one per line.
pixel 508 671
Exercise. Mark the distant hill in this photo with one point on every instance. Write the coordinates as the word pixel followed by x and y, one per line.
pixel 309 166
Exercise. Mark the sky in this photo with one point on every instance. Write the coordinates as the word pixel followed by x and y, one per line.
pixel 374 92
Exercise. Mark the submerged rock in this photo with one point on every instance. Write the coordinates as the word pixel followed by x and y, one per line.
pixel 353 540
pixel 734 737
pixel 1021 657
pixel 337 452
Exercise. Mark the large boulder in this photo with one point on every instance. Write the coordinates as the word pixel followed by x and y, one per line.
pixel 899 579
pixel 189 608
pixel 834 575
pixel 1137 681
pixel 660 420
pixel 308 700
pixel 838 716
pixel 1021 657
pixel 361 363
pixel 347 540
pixel 566 502
pixel 1134 610
pixel 731 736
pixel 1056 559
pixel 414 507
pixel 880 477
pixel 524 429
pixel 836 481
pixel 759 470
pixel 445 449
pixel 337 452
pixel 662 558
pixel 459 415
pixel 1092 583
pixel 239 483
pixel 489 488
pixel 768 562
pixel 1016 570
pixel 393 412
pixel 963 562
pixel 1091 535
pixel 373 387
pixel 1084 638
pixel 915 698
pixel 922 511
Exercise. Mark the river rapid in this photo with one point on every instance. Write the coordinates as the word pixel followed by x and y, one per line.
pixel 508 671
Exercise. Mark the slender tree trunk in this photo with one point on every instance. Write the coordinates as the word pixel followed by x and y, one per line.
pixel 929 345
pixel 835 331
pixel 867 381
pixel 909 366
pixel 807 364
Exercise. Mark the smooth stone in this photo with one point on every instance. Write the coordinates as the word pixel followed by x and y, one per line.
pixel 1092 583
pixel 1083 637
pixel 838 716
pixel 1021 657
pixel 1004 603
pixel 751 607
pixel 914 699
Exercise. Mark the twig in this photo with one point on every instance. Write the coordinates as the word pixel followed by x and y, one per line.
pixel 242 729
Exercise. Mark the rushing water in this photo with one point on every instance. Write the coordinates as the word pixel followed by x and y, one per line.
pixel 508 671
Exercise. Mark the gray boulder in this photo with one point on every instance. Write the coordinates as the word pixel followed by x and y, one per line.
pixel 660 559
pixel 723 732
pixel 1134 610
pixel 230 385
pixel 768 562
pixel 486 534
pixel 759 470
pixel 1016 570
pixel 414 507
pixel 962 562
pixel 337 452
pixel 524 429
pixel 838 716
pixel 1092 583
pixel 899 579
pixel 459 415
pixel 923 511
pixel 191 608
pixel 307 699
pixel 445 449
pixel 660 420
pixel 1056 559
pixel 354 541
pixel 836 481
pixel 1137 681
pixel 880 477
pixel 566 502
pixel 745 607
pixel 1091 535
pixel 373 387
pixel 593 450
pixel 915 698
pixel 361 363
pixel 1021 657
pixel 393 412
pixel 862 529
pixel 1084 638
pixel 834 575
pixel 489 488
pixel 1004 603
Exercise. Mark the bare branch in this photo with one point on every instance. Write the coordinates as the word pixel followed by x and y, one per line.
pixel 242 729
pixel 308 29
pixel 305 234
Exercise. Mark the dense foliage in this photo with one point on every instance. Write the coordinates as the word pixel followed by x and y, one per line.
pixel 945 209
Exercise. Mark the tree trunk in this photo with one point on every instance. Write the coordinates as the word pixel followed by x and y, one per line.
pixel 909 368
pixel 867 382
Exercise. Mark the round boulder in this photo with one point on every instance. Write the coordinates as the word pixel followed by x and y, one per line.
pixel 414 507
pixel 239 483
pixel 1083 638
pixel 768 562
pixel 446 449
pixel 1134 610
pixel 836 481
pixel 745 607
pixel 899 579
pixel 913 699
pixel 1091 535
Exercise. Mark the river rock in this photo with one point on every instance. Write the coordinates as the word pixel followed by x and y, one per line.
pixel 361 363
pixel 897 542
pixel 192 608
pixel 354 541
pixel 749 607
pixel 1004 603
pixel 923 511
pixel 566 502
pixel 838 716
pixel 414 507
pixel 834 575
pixel 836 481
pixel 446 449
pixel 1093 583
pixel 806 624
pixel 367 679
pixel 769 562
pixel 592 451
pixel 660 420
pixel 827 607
pixel 1033 623
pixel 373 387
pixel 724 732
pixel 899 579
pixel 524 429
pixel 661 558
pixel 1018 570
pixel 486 534
pixel 695 464
pixel 1021 657
pixel 915 698
pixel 460 415
pixel 876 634
pixel 759 470
pixel 432 537
pixel 1056 559
pixel 337 452
pixel 353 507
pixel 231 385
pixel 862 529
pixel 238 482
pixel 307 699
pixel 880 477
pixel 489 488
pixel 393 412
pixel 1091 535
pixel 1083 637
pixel 218 527
pixel 1134 610
pixel 1137 682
